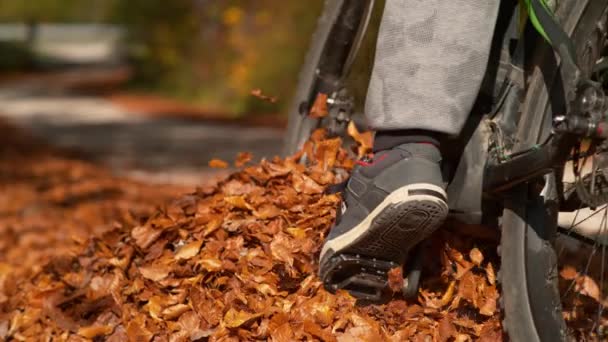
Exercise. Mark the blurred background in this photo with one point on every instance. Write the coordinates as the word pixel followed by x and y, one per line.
pixel 146 86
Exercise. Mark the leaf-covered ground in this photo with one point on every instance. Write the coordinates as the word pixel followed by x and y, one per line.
pixel 85 255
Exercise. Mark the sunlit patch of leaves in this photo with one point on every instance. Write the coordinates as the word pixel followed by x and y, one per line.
pixel 237 261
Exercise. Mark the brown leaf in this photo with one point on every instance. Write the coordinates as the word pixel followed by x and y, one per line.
pixel 218 164
pixel 188 251
pixel 236 318
pixel 490 274
pixel 267 211
pixel 95 330
pixel 260 95
pixel 145 235
pixel 210 264
pixel 243 158
pixel 589 288
pixel 365 140
pixel 305 184
pixel 238 202
pixel 488 308
pixel 175 311
pixel 281 248
pixel 284 333
pixel 155 272
pixel 448 295
pixel 476 256
pixel 316 330
pixel 395 279
pixel 319 108
pixel 568 273
pixel 137 332
pixel 446 329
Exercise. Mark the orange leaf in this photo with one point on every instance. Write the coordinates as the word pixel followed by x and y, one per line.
pixel 218 164
pixel 95 331
pixel 365 140
pixel 188 251
pixel 235 318
pixel 319 108
pixel 476 256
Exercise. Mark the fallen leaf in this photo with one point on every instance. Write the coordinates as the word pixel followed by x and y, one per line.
pixel 488 308
pixel 95 331
pixel 238 202
pixel 145 235
pixel 155 272
pixel 188 251
pixel 210 264
pixel 446 329
pixel 235 318
pixel 175 311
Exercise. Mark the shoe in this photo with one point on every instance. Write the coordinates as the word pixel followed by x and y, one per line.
pixel 390 204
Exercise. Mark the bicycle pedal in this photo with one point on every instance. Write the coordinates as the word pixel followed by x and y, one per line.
pixel 364 278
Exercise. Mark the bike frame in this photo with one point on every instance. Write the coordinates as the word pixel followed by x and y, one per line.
pixel 476 175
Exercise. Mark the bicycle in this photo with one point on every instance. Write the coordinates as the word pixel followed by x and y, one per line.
pixel 541 116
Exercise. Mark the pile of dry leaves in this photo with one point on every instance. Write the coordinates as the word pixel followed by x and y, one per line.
pixel 84 256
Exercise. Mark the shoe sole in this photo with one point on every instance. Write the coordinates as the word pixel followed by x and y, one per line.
pixel 405 218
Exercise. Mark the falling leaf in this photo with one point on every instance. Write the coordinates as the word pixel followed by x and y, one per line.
pixel 218 164
pixel 490 274
pixel 476 256
pixel 568 273
pixel 395 279
pixel 319 108
pixel 448 295
pixel 365 140
pixel 243 158
pixel 260 95
pixel 589 287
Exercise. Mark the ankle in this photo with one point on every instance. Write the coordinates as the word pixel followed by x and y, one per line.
pixel 386 140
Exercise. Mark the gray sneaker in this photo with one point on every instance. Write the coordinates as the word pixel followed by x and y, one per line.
pixel 390 204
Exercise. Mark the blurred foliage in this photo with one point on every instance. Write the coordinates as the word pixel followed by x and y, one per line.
pixel 56 10
pixel 209 52
pixel 216 52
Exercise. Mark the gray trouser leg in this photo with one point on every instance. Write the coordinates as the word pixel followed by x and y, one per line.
pixel 430 61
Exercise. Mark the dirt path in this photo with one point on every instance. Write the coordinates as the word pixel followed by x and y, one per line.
pixel 153 147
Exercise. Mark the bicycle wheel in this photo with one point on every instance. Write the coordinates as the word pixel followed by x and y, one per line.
pixel 334 43
pixel 535 302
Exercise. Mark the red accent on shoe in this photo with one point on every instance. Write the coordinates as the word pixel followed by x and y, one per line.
pixel 377 159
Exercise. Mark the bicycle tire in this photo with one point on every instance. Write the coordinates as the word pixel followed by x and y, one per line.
pixel 300 126
pixel 530 296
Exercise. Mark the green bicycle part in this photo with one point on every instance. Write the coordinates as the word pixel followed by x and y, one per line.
pixel 544 22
